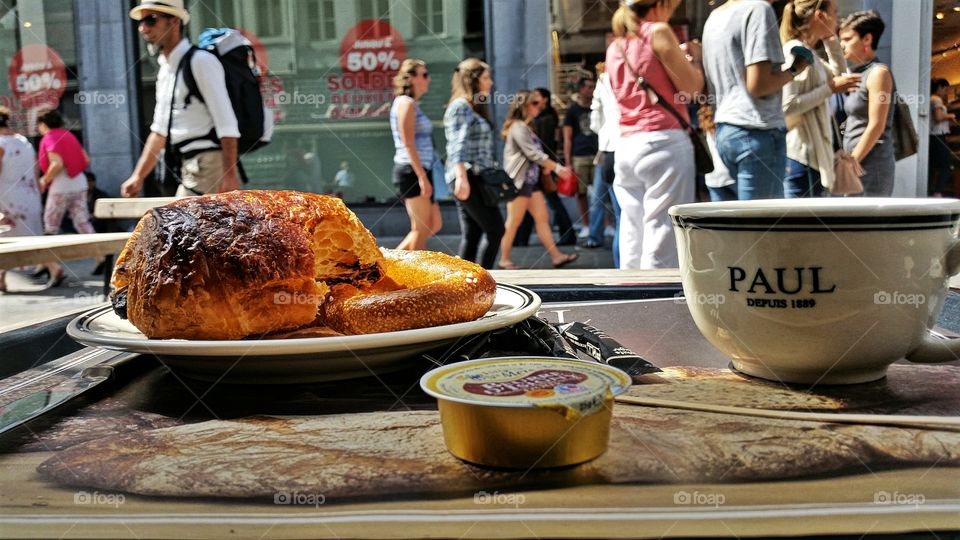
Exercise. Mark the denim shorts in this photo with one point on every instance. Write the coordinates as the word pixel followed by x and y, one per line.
pixel 406 183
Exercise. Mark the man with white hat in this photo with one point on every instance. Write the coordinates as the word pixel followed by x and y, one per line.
pixel 203 133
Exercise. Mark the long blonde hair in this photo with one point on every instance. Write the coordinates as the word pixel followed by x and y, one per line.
pixel 797 17
pixel 408 70
pixel 517 111
pixel 466 84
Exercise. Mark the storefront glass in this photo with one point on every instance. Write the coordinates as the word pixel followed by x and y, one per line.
pixel 329 65
pixel 37 46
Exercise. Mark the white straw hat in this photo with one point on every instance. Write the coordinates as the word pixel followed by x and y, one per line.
pixel 170 7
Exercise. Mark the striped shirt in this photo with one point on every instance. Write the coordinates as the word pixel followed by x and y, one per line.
pixel 469 138
pixel 423 135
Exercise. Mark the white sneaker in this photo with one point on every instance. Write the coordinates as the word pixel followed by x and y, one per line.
pixel 584 232
pixel 610 231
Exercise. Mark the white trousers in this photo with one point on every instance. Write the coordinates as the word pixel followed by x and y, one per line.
pixel 655 170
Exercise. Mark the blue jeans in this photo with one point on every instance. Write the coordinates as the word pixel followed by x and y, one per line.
pixel 801 181
pixel 602 189
pixel 725 193
pixel 756 159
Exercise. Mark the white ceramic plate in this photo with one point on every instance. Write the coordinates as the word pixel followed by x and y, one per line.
pixel 296 360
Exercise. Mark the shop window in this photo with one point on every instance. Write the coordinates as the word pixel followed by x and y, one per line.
pixel 428 18
pixel 269 18
pixel 375 9
pixel 216 13
pixel 321 22
pixel 38 46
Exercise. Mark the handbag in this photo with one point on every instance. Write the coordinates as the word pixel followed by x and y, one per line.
pixel 905 139
pixel 847 171
pixel 547 183
pixel 496 186
pixel 701 152
pixel 567 185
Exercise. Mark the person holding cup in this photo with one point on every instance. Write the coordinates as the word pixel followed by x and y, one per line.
pixel 869 133
pixel 810 155
pixel 653 163
pixel 744 65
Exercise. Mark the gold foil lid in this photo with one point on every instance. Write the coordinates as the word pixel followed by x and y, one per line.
pixel 569 387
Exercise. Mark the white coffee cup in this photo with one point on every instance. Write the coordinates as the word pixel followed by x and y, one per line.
pixel 820 291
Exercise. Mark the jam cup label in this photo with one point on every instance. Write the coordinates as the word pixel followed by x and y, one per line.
pixel 545 379
pixel 570 388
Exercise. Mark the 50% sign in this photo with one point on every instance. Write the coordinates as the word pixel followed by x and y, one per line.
pixel 38 76
pixel 370 53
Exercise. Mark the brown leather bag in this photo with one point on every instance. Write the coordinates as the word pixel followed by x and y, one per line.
pixel 547 183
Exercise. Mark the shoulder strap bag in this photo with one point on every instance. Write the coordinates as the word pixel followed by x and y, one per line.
pixel 701 152
pixel 847 171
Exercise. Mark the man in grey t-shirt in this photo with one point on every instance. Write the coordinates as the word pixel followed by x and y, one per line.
pixel 742 59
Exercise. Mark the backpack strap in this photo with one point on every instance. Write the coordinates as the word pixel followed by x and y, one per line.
pixel 189 79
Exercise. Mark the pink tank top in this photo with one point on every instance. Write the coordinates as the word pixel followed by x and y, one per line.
pixel 638 112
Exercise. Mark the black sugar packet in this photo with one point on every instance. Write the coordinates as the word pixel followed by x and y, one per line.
pixel 537 337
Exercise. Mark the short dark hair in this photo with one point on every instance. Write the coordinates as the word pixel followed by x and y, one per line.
pixel 4 116
pixel 937 84
pixel 582 81
pixel 865 23
pixel 51 118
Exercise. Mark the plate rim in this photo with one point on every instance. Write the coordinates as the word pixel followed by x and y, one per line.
pixel 531 302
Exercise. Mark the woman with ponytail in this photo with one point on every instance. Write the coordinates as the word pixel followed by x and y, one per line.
pixel 807 23
pixel 653 162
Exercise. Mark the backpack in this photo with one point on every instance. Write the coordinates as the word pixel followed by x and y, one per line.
pixel 905 139
pixel 235 53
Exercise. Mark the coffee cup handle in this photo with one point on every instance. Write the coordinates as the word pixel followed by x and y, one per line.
pixel 934 350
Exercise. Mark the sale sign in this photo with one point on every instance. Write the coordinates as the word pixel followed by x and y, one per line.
pixel 371 53
pixel 38 76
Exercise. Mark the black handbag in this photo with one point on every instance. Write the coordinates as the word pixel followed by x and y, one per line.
pixel 701 152
pixel 496 187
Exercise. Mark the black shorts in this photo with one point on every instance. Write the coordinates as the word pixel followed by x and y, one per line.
pixel 405 182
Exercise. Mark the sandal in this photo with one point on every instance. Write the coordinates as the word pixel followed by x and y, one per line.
pixel 507 265
pixel 57 281
pixel 569 258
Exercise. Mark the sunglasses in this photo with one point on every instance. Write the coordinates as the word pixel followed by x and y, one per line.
pixel 536 103
pixel 425 74
pixel 151 20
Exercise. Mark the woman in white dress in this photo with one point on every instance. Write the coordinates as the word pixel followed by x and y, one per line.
pixel 20 209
